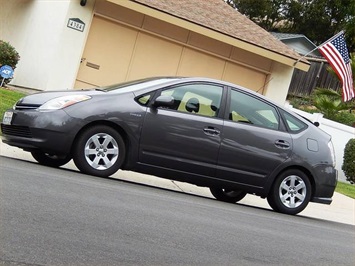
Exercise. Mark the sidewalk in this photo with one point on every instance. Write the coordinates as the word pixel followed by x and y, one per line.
pixel 341 210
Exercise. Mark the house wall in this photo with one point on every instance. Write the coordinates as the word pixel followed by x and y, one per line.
pixel 340 133
pixel 49 50
pixel 277 81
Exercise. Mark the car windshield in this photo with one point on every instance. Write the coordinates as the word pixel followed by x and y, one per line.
pixel 135 84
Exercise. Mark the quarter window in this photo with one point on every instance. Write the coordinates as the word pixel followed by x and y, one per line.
pixel 293 124
pixel 250 110
pixel 144 100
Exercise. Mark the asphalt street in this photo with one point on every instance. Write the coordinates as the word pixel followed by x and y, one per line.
pixel 61 217
pixel 341 210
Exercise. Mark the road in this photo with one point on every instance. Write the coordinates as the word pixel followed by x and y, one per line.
pixel 61 217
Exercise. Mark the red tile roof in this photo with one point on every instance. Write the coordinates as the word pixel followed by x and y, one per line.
pixel 219 16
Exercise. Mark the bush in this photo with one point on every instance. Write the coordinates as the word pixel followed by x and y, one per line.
pixel 345 118
pixel 8 54
pixel 349 161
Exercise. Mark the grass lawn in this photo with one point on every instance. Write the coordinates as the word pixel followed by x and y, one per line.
pixel 9 97
pixel 346 189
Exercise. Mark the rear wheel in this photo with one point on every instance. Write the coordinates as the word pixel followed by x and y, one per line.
pixel 290 193
pixel 50 160
pixel 100 151
pixel 227 195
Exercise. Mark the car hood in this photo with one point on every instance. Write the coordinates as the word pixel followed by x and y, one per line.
pixel 37 99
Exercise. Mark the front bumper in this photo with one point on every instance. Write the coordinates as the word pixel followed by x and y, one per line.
pixel 52 132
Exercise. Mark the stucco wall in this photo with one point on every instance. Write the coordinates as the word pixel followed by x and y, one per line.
pixel 49 50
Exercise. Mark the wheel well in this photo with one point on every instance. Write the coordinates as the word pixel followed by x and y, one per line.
pixel 116 127
pixel 304 170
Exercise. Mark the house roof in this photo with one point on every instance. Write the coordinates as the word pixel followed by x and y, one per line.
pixel 216 19
pixel 298 42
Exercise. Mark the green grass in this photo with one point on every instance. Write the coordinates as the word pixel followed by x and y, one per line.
pixel 7 99
pixel 346 189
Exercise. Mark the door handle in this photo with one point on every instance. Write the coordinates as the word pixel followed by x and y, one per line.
pixel 282 144
pixel 211 131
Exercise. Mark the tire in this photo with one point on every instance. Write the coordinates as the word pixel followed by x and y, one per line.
pixel 99 151
pixel 50 160
pixel 231 196
pixel 290 193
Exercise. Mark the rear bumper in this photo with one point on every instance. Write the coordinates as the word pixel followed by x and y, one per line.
pixel 327 201
pixel 325 184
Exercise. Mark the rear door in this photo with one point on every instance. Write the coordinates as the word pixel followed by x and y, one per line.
pixel 254 142
pixel 185 137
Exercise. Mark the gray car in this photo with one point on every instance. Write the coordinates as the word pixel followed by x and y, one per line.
pixel 202 131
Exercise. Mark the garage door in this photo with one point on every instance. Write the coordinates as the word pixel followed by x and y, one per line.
pixel 116 52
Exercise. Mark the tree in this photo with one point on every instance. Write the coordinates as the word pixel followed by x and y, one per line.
pixel 319 20
pixel 266 13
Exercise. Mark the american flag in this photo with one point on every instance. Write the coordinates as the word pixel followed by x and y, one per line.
pixel 337 55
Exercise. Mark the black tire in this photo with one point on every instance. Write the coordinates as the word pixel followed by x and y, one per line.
pixel 291 192
pixel 227 195
pixel 50 160
pixel 99 151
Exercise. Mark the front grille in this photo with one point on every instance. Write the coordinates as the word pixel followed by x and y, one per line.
pixel 19 131
pixel 26 107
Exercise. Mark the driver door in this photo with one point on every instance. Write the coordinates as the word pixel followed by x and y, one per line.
pixel 184 137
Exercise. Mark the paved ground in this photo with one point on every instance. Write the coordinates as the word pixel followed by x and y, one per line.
pixel 341 210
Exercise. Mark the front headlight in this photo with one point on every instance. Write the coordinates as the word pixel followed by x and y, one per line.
pixel 332 151
pixel 62 102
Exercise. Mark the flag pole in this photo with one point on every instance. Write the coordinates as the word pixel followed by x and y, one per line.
pixel 329 40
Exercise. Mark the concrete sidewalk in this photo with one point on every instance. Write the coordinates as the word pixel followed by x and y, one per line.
pixel 341 210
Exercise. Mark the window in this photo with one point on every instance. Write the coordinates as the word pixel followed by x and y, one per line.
pixel 250 110
pixel 144 100
pixel 200 99
pixel 293 124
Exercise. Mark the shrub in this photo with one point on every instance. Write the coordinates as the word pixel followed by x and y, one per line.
pixel 8 54
pixel 349 161
pixel 345 118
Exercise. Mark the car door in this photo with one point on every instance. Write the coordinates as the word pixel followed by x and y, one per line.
pixel 184 137
pixel 254 141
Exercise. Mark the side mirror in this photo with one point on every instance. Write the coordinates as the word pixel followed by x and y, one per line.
pixel 163 101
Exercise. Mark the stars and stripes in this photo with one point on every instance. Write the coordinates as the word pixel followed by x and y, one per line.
pixel 337 55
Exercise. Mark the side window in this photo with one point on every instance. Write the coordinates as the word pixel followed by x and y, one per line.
pixel 247 109
pixel 144 100
pixel 200 99
pixel 293 124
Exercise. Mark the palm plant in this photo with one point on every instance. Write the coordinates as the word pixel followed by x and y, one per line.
pixel 329 102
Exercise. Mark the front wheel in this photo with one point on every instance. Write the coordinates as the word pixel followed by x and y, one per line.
pixel 100 151
pixel 290 193
pixel 227 195
pixel 50 160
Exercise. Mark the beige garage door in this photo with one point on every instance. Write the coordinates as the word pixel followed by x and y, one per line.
pixel 115 52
